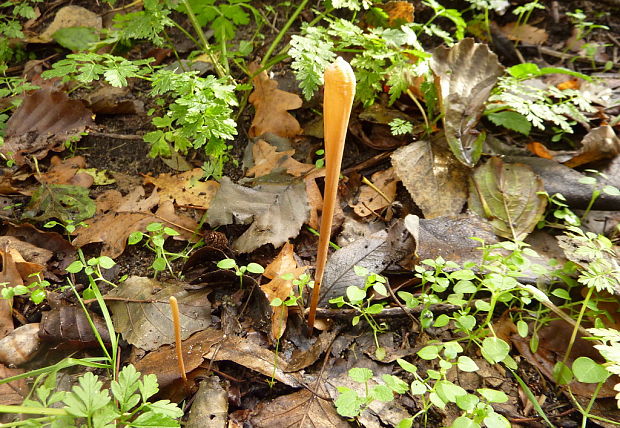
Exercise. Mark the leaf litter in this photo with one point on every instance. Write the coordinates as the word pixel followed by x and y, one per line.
pixel 456 193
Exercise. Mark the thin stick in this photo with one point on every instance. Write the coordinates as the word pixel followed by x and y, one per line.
pixel 339 93
pixel 174 307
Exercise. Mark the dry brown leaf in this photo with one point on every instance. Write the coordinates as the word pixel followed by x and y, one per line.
pixel 67 17
pixel 283 264
pixel 300 409
pixel 66 172
pixel 185 189
pixel 272 106
pixel 117 217
pixel 43 122
pixel 599 143
pixel 112 100
pixel 12 393
pixel 436 181
pixel 370 200
pixel 267 159
pixel 399 12
pixel 525 33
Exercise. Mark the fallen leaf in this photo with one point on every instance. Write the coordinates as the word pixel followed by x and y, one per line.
pixel 467 72
pixel 44 121
pixel 43 244
pixel 280 288
pixel 163 362
pixel 66 171
pixel 209 404
pixel 369 200
pixel 117 217
pixel 66 17
pixel 70 204
pixel 374 253
pixel 525 33
pixel 507 195
pixel 300 409
pixel 70 326
pixel 276 212
pixel 20 346
pixel 372 128
pixel 149 325
pixel 267 160
pixel 76 38
pixel 436 181
pixel 539 150
pixel 113 100
pixel 12 393
pixel 599 143
pixel 449 237
pixel 272 106
pixel 398 12
pixel 185 189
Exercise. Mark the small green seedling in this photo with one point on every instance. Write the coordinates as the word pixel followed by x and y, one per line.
pixel 240 270
pixel 36 289
pixel 154 241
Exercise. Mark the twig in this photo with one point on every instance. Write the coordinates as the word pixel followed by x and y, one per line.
pixel 367 163
pixel 115 136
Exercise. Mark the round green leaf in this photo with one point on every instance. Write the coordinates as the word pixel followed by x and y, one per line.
pixel 589 371
pixel 255 268
pixel 495 349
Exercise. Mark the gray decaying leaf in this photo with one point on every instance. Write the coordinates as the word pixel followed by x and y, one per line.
pixel 300 409
pixel 276 212
pixel 507 195
pixel 375 253
pixel 467 72
pixel 149 325
pixel 449 237
pixel 436 181
pixel 44 121
pixel 210 404
pixel 19 346
pixel 558 178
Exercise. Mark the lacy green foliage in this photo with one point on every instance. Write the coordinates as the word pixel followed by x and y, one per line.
pixel 88 402
pixel 610 350
pixel 147 24
pixel 11 12
pixel 538 103
pixel 199 114
pixel 223 18
pixel 381 55
pixel 88 67
pixel 351 4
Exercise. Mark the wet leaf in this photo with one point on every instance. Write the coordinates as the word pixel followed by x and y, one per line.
pixel 209 404
pixel 436 181
pixel 507 195
pixel 280 288
pixel 185 189
pixel 272 106
pixel 300 409
pixel 467 72
pixel 43 122
pixel 276 212
pixel 20 346
pixel 61 201
pixel 69 325
pixel 149 325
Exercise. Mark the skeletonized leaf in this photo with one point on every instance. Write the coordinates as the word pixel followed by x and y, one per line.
pixel 436 181
pixel 467 72
pixel 276 212
pixel 507 195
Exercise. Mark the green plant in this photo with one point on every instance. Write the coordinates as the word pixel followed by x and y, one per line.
pixel 11 12
pixel 400 126
pixel 518 104
pixel 154 240
pixel 356 298
pixel 524 11
pixel 10 88
pixel 240 270
pixel 598 190
pixel 89 404
pixel 36 290
pixel 584 28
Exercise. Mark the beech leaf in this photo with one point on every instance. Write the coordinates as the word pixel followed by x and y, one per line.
pixel 467 72
pixel 276 212
pixel 507 195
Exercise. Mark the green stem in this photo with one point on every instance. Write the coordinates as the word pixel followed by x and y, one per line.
pixel 283 31
pixel 595 195
pixel 33 410
pixel 205 44
pixel 577 324
pixel 586 414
